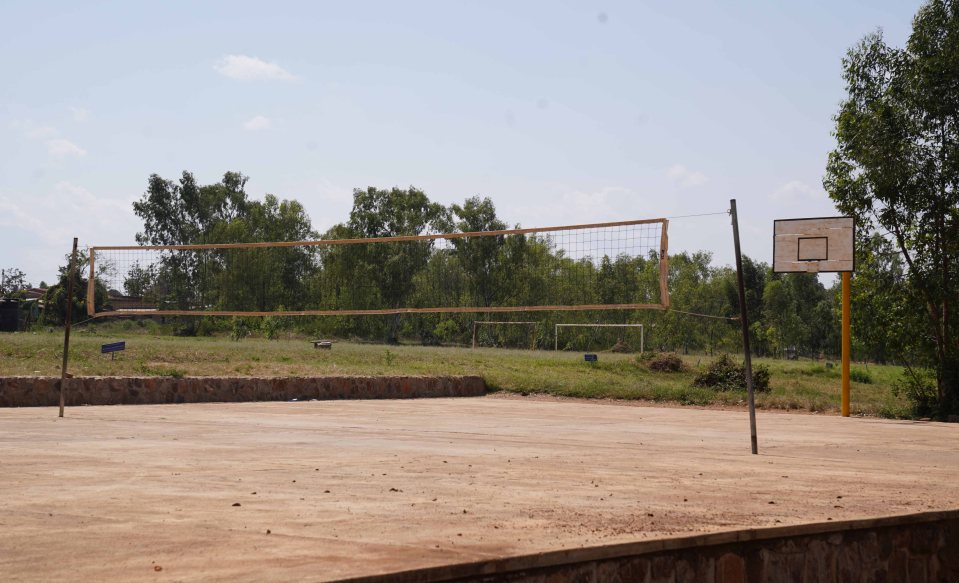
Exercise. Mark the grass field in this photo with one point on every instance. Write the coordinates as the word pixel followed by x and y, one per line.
pixel 797 385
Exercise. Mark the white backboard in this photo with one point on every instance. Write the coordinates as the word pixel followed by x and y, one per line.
pixel 814 245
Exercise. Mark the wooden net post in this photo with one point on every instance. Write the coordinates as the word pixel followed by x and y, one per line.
pixel 66 332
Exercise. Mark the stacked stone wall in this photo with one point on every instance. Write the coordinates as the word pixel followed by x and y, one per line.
pixel 45 391
pixel 915 548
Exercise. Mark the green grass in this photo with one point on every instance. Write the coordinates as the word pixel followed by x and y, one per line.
pixel 795 385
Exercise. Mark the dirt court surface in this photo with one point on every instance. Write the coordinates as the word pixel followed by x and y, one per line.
pixel 331 489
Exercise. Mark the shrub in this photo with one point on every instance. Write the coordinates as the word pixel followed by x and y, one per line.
pixel 919 386
pixel 726 375
pixel 185 327
pixel 666 362
pixel 240 329
pixel 270 326
pixel 760 378
pixel 860 376
pixel 206 327
pixel 621 347
pixel 446 331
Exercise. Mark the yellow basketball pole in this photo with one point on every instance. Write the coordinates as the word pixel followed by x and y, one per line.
pixel 846 277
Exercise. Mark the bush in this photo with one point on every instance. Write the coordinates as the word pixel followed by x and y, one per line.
pixel 760 378
pixel 239 329
pixel 860 376
pixel 270 326
pixel 666 362
pixel 621 347
pixel 919 386
pixel 206 327
pixel 446 331
pixel 185 327
pixel 725 375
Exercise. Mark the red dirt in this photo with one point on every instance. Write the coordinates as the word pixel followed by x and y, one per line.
pixel 345 488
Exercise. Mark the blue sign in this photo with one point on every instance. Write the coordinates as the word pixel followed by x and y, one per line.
pixel 590 358
pixel 113 347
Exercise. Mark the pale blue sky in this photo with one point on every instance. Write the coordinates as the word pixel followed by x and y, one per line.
pixel 561 112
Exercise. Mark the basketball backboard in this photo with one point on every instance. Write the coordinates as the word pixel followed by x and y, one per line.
pixel 814 245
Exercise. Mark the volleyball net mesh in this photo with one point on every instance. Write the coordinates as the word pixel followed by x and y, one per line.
pixel 603 266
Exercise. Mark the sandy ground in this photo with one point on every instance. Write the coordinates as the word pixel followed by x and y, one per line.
pixel 323 490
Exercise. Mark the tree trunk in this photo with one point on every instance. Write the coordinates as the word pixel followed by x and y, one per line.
pixel 947 381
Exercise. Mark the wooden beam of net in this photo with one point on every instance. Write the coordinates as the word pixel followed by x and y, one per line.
pixel 384 312
pixel 432 237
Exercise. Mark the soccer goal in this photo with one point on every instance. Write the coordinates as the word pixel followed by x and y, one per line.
pixel 642 334
pixel 599 266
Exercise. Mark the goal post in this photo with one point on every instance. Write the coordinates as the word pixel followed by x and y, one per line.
pixel 642 333
pixel 598 266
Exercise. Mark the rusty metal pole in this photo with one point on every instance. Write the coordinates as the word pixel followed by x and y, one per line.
pixel 744 319
pixel 66 332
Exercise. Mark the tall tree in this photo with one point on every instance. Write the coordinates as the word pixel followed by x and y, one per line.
pixel 185 212
pixel 382 275
pixel 12 282
pixel 885 321
pixel 896 166
pixel 55 299
pixel 696 287
pixel 482 258
pixel 755 274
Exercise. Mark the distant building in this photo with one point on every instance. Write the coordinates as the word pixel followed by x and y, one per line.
pixel 118 301
pixel 17 314
pixel 34 293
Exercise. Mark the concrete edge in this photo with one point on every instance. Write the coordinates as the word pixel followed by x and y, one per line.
pixel 490 567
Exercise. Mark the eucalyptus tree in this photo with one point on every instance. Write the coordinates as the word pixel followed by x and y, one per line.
pixel 896 167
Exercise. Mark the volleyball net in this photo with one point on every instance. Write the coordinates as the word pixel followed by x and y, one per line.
pixel 600 266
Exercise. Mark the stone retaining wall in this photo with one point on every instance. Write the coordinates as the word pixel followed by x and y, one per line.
pixel 915 548
pixel 44 391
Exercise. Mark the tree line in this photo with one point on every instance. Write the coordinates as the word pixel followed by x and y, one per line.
pixel 789 314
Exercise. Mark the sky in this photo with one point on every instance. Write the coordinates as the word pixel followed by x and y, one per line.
pixel 560 112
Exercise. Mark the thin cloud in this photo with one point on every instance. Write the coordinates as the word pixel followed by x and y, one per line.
pixel 245 68
pixel 571 206
pixel 63 148
pixel 79 114
pixel 48 218
pixel 57 147
pixel 32 131
pixel 796 191
pixel 685 177
pixel 257 123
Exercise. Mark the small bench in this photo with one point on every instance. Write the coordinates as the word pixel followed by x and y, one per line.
pixel 325 344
